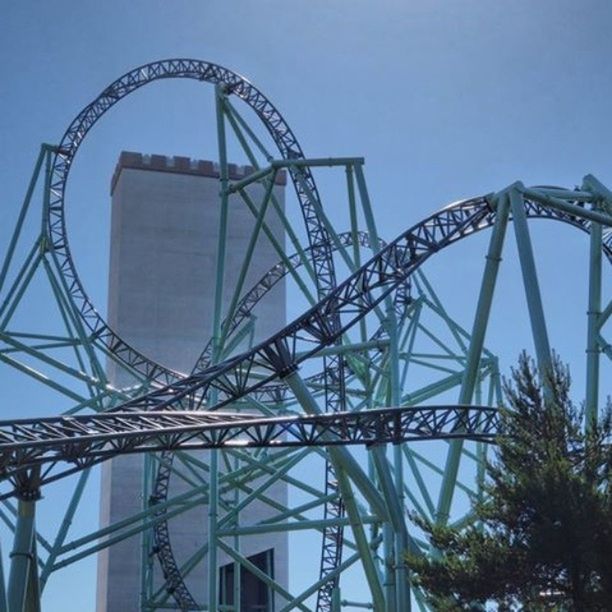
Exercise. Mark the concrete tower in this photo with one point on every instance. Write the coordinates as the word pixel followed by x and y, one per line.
pixel 165 220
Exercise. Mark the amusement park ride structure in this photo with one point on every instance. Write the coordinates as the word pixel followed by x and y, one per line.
pixel 346 372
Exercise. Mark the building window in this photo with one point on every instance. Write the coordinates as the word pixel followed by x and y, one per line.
pixel 255 594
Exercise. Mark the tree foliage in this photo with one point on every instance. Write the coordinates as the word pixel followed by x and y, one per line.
pixel 543 538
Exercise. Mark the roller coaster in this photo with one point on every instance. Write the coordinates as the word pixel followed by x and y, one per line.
pixel 356 391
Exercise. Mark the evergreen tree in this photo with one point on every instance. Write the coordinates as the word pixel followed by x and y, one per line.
pixel 543 538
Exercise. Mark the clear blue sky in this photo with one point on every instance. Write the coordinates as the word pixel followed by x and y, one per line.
pixel 445 99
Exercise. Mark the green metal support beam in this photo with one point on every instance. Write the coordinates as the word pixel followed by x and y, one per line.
pixel 530 281
pixel 481 318
pixel 21 587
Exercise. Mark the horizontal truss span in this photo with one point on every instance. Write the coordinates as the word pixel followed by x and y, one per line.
pixel 82 441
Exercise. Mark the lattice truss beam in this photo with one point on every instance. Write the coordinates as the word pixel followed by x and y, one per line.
pixel 87 439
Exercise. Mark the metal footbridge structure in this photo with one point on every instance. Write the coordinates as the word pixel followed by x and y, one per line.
pixel 375 392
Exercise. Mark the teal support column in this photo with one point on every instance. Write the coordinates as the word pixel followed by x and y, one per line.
pixel 223 219
pixel 401 534
pixel 388 569
pixel 237 567
pixel 479 329
pixel 596 318
pixel 213 501
pixel 21 587
pixel 32 603
pixel 593 349
pixel 530 281
pixel 3 602
pixel 213 505
pixel 336 598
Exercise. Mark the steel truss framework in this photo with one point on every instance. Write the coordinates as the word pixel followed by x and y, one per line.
pixel 81 441
pixel 364 337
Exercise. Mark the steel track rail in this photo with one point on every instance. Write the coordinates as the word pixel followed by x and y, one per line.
pixel 84 440
pixel 351 300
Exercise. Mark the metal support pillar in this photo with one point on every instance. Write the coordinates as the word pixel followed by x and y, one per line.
pixel 336 598
pixel 593 349
pixel 479 329
pixel 213 500
pixel 595 316
pixel 401 533
pixel 530 280
pixel 23 590
pixel 3 602
pixel 213 505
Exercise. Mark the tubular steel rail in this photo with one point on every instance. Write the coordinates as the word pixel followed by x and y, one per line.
pixel 82 441
pixel 351 300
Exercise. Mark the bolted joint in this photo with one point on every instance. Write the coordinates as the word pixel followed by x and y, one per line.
pixel 494 199
pixel 600 191
pixel 287 370
pixel 27 485
pixel 28 494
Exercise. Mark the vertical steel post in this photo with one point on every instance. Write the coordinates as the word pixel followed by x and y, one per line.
pixel 237 566
pixel 32 602
pixel 3 602
pixel 22 557
pixel 223 218
pixel 213 503
pixel 401 539
pixel 395 494
pixel 335 602
pixel 594 314
pixel 596 318
pixel 221 248
pixel 530 280
pixel 388 573
pixel 479 329
pixel 145 538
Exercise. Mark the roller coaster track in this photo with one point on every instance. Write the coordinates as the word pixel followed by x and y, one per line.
pixel 85 440
pixel 185 412
pixel 351 300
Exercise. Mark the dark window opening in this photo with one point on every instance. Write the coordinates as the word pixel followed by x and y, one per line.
pixel 255 594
